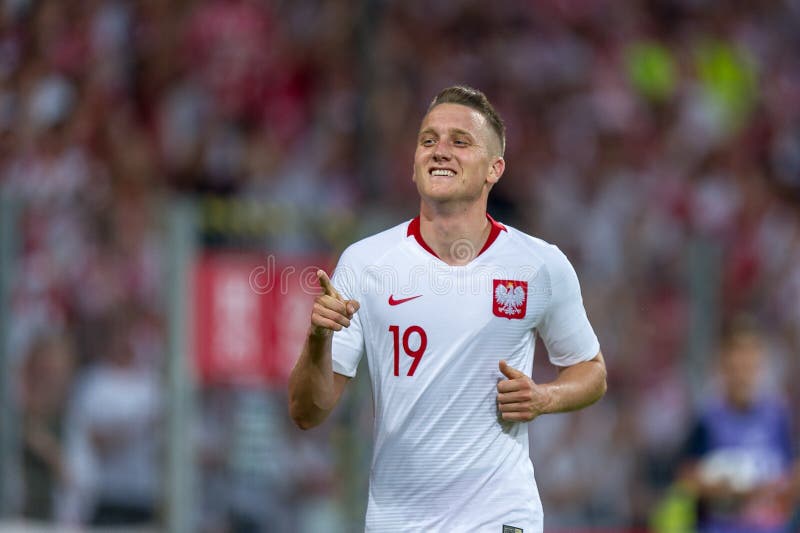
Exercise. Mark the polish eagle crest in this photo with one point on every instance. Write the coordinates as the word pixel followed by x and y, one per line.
pixel 510 298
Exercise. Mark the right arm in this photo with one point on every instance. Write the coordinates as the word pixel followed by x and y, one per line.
pixel 314 388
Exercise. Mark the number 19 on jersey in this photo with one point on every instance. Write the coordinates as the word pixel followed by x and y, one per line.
pixel 416 353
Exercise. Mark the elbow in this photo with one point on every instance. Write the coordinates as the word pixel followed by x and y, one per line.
pixel 597 385
pixel 603 385
pixel 601 376
pixel 303 423
pixel 301 420
pixel 597 393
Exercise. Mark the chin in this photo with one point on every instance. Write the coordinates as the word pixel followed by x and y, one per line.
pixel 436 192
pixel 441 196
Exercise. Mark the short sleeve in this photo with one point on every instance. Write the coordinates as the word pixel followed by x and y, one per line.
pixel 348 344
pixel 564 327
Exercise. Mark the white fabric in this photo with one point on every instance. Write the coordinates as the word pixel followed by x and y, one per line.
pixel 125 402
pixel 443 459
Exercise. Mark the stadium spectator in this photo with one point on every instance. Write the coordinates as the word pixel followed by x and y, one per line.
pixel 740 454
pixel 46 380
pixel 113 435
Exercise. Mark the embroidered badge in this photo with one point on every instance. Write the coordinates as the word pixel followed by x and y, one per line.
pixel 510 298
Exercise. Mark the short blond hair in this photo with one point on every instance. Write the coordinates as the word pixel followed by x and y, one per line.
pixel 474 99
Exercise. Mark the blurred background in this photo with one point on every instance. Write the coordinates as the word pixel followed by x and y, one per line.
pixel 172 171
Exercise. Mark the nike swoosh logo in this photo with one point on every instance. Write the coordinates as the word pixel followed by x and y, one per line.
pixel 392 301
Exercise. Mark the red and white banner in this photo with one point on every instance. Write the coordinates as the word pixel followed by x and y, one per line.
pixel 251 315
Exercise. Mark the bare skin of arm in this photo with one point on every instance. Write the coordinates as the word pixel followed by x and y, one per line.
pixel 520 399
pixel 314 388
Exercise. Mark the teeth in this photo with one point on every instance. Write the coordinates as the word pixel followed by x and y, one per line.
pixel 442 172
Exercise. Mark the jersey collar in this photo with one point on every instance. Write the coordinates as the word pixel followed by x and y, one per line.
pixel 415 231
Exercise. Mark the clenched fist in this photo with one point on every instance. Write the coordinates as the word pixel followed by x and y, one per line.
pixel 519 398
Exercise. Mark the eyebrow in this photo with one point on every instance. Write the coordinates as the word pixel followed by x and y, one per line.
pixel 457 131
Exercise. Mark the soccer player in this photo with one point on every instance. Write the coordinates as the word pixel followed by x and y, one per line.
pixel 447 308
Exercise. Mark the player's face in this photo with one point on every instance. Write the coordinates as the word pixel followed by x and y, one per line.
pixel 457 156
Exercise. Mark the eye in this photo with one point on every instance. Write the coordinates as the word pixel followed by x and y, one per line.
pixel 428 141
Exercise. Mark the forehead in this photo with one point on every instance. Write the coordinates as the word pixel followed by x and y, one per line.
pixel 454 116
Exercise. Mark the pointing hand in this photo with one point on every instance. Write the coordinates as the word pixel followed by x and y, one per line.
pixel 331 311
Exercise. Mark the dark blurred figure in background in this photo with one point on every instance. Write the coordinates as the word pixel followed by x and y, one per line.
pixel 46 377
pixel 740 453
pixel 114 435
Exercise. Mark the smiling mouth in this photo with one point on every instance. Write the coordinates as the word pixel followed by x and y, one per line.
pixel 442 172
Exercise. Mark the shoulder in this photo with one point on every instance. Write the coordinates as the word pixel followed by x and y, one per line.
pixel 538 250
pixel 372 248
pixel 771 405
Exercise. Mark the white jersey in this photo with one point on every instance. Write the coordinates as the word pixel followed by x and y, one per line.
pixel 444 460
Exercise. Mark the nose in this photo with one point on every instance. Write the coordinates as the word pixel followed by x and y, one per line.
pixel 441 152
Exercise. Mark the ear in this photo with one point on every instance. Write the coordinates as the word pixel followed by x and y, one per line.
pixel 496 170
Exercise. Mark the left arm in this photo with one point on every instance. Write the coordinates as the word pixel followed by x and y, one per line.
pixel 568 336
pixel 577 386
pixel 520 399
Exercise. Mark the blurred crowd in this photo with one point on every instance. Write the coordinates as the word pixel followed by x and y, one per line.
pixel 657 143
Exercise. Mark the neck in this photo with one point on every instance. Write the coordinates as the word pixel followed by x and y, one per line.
pixel 740 402
pixel 455 235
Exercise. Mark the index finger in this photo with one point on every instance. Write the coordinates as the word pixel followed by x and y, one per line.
pixel 327 286
pixel 508 385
